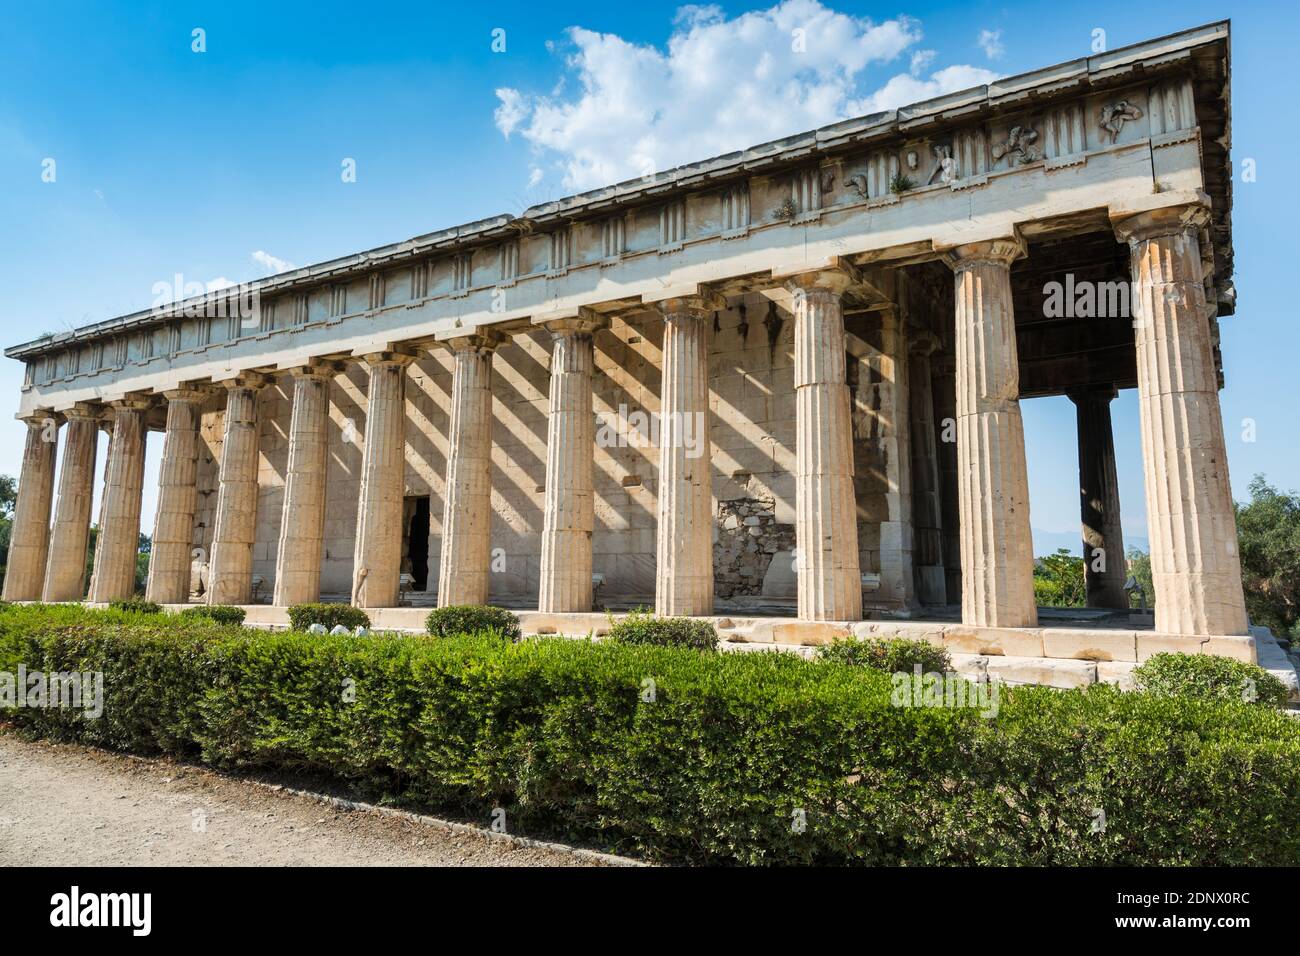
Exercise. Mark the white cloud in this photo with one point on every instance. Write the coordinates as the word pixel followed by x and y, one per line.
pixel 990 42
pixel 720 85
pixel 905 88
pixel 272 263
pixel 511 112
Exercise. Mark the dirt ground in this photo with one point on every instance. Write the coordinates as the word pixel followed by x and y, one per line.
pixel 71 805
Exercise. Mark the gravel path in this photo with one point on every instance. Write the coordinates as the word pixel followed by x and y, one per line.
pixel 70 805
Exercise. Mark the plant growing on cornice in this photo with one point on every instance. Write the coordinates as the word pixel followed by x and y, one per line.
pixel 901 183
pixel 784 211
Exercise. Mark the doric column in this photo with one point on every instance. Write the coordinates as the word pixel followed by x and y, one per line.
pixel 997 559
pixel 65 574
pixel 826 519
pixel 377 560
pixel 302 521
pixel 943 381
pixel 570 442
pixel 29 537
pixel 927 509
pixel 230 569
pixel 684 562
pixel 119 529
pixel 467 516
pixel 178 495
pixel 1195 566
pixel 882 436
pixel 1104 568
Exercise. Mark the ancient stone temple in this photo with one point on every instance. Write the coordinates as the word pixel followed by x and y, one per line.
pixel 781 385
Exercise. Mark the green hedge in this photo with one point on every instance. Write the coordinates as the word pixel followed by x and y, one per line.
pixel 639 628
pixel 698 758
pixel 472 618
pixel 136 604
pixel 221 613
pixel 890 654
pixel 1209 677
pixel 303 616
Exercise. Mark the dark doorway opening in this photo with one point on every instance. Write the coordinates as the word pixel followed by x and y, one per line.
pixel 417 541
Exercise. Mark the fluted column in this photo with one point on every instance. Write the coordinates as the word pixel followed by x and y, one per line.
pixel 1195 565
pixel 467 517
pixel 302 520
pixel 684 563
pixel 1104 567
pixel 230 569
pixel 927 509
pixel 65 573
pixel 29 537
pixel 826 519
pixel 377 560
pixel 178 495
pixel 570 442
pixel 993 481
pixel 943 385
pixel 119 530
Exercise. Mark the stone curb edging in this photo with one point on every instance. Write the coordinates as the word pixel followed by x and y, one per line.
pixel 357 806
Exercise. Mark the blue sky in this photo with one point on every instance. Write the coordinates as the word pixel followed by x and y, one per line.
pixel 225 164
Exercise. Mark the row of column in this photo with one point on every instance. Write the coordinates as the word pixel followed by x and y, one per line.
pixel 1194 560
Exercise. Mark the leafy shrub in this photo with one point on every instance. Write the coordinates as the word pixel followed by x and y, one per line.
pixel 891 655
pixel 472 619
pixel 221 613
pixel 303 616
pixel 1209 677
pixel 1268 532
pixel 137 605
pixel 641 628
pixel 1059 580
pixel 560 735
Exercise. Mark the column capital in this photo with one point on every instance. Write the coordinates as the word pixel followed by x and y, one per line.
pixel 188 392
pixel 1164 221
pixel 251 380
pixel 479 340
pixel 83 412
pixel 832 274
pixel 699 303
pixel 398 357
pixel 132 401
pixel 316 369
pixel 922 343
pixel 1002 251
pixel 1092 393
pixel 581 319
pixel 38 417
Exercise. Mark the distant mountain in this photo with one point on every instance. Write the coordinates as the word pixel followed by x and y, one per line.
pixel 1047 542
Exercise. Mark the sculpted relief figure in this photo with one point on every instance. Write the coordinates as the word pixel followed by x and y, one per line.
pixel 945 169
pixel 1115 115
pixel 1020 143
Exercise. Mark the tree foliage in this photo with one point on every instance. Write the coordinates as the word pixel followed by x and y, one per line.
pixel 1058 580
pixel 1268 532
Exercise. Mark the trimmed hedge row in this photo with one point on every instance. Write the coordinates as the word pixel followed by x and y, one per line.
pixel 472 618
pixel 329 616
pixel 221 613
pixel 643 628
pixel 721 763
pixel 892 654
pixel 1209 677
